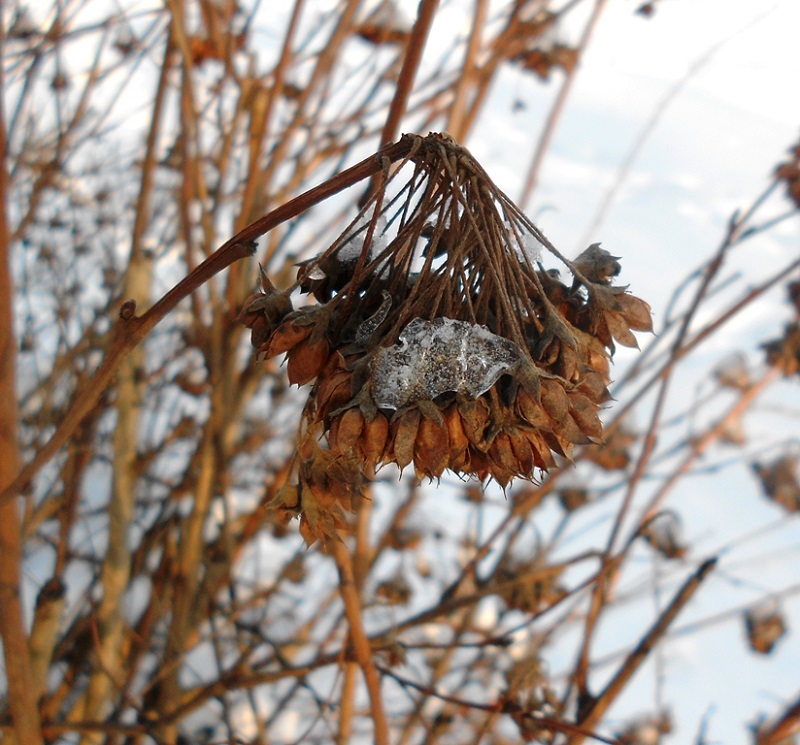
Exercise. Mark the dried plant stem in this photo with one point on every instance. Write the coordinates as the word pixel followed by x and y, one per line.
pixel 115 573
pixel 361 566
pixel 784 729
pixel 605 578
pixel 411 60
pixel 543 143
pixel 21 689
pixel 346 703
pixel 593 712
pixel 702 444
pixel 358 637
pixel 131 331
pixel 261 116
pixel 500 707
pixel 457 121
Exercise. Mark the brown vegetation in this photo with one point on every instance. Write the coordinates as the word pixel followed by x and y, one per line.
pixel 153 466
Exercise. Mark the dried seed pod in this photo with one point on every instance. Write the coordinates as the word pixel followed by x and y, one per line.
pixel 584 412
pixel 306 360
pixel 348 433
pixel 765 627
pixel 529 586
pixel 540 449
pixel 573 498
pixel 784 353
pixel 732 372
pixel 531 411
pixel 524 455
pixel 394 591
pixel 779 480
pixel 474 419
pixel 402 438
pixel 483 361
pixel 664 533
pixel 459 443
pixel 332 392
pixel 613 454
pixel 286 337
pixel 634 311
pixel 478 463
pixel 373 440
pixel 597 265
pixel 555 401
pixel 431 448
pixel 270 303
pixel 593 386
pixel 502 454
pixel 619 329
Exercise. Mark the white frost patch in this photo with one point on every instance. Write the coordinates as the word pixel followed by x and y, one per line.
pixel 530 248
pixel 440 356
pixel 351 249
pixel 525 245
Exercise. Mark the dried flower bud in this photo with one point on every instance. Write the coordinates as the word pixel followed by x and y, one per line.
pixel 663 533
pixel 765 626
pixel 597 265
pixel 780 482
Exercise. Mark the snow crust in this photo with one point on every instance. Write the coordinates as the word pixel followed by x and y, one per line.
pixel 440 356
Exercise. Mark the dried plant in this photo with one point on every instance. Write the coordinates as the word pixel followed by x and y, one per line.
pixel 156 584
pixel 479 361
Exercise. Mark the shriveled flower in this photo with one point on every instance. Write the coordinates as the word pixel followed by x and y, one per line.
pixel 438 339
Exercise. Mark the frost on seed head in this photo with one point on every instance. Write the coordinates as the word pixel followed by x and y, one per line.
pixel 351 248
pixel 527 248
pixel 440 356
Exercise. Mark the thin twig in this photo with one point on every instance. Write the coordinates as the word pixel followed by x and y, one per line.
pixel 596 708
pixel 543 143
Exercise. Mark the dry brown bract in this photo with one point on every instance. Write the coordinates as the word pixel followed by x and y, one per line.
pixel 438 338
